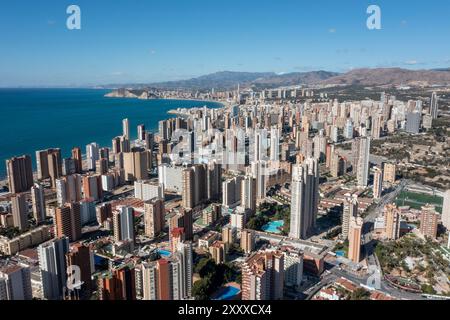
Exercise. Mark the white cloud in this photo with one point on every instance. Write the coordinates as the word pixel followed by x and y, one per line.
pixel 411 62
pixel 332 30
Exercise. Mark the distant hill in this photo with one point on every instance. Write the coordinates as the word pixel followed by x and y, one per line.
pixel 218 80
pixel 228 80
pixel 391 77
pixel 295 78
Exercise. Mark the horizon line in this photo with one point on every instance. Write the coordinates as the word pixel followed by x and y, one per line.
pixel 113 85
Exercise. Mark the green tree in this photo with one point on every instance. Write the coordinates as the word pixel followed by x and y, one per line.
pixel 205 267
pixel 200 289
pixel 360 294
pixel 256 223
pixel 428 289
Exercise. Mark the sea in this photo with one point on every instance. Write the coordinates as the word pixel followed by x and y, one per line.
pixel 36 119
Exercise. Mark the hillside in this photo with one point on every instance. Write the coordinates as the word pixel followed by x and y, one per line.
pixel 228 80
pixel 392 77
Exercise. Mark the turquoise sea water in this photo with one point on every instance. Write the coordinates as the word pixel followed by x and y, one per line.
pixel 35 119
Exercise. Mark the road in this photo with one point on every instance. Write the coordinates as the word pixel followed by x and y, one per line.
pixel 367 241
pixel 369 244
pixel 368 250
pixel 331 275
pixel 378 160
pixel 388 198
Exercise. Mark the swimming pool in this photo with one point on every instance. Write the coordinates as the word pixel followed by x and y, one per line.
pixel 340 253
pixel 227 293
pixel 164 253
pixel 273 226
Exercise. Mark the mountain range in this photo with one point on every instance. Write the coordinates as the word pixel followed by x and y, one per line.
pixel 226 80
pixel 391 77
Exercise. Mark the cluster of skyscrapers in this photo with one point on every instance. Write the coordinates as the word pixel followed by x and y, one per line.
pixel 213 165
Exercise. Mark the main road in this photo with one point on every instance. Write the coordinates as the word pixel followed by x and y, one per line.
pixel 368 250
pixel 369 244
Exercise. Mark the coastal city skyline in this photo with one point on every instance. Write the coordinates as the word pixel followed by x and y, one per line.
pixel 321 201
pixel 225 156
pixel 174 40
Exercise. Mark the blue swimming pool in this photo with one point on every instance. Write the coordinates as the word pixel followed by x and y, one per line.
pixel 164 253
pixel 273 226
pixel 340 253
pixel 227 293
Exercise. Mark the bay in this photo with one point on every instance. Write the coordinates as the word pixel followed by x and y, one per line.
pixel 36 119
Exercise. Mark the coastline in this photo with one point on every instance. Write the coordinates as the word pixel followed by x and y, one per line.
pixel 174 112
pixel 88 100
pixel 221 102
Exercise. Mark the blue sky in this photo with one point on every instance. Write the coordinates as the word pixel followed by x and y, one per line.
pixel 158 40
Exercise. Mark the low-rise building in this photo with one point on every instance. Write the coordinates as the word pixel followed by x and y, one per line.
pixel 26 240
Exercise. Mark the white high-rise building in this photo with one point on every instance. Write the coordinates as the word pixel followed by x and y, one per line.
pixel 320 146
pixel 37 197
pixel 73 187
pixel 238 218
pixel 52 264
pixel 293 267
pixel 274 144
pixel 376 126
pixel 68 189
pixel 446 210
pixel 61 192
pixel 350 210
pixel 434 107
pixel 260 145
pixel 87 211
pixel 171 177
pixel 127 223
pixel 108 182
pixel 448 243
pixel 334 135
pixel 92 154
pixel 126 128
pixel 248 193
pixel 146 280
pixel 348 131
pixel 141 132
pixel 362 172
pixel 377 183
pixel 185 261
pixel 305 198
pixel 232 192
